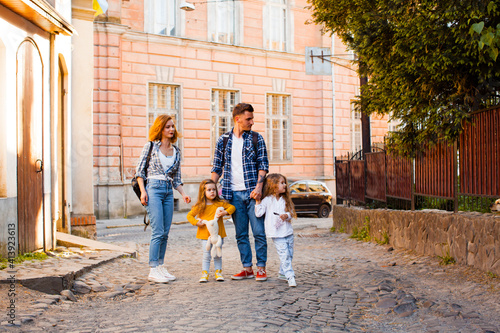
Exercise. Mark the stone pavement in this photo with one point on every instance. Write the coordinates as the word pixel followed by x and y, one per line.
pixel 343 285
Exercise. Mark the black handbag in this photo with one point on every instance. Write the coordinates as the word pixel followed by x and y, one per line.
pixel 137 189
pixel 135 184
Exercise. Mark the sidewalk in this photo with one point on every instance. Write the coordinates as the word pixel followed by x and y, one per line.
pixel 73 257
pixel 40 283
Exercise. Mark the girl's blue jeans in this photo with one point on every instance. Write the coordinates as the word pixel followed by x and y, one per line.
pixel 207 257
pixel 160 209
pixel 284 246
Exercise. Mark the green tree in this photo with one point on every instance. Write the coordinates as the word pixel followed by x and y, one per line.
pixel 488 36
pixel 423 60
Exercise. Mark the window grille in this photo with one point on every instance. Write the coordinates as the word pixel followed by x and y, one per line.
pixel 278 119
pixel 222 104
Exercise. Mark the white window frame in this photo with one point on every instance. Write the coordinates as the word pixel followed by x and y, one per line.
pixel 221 113
pixel 172 107
pixel 224 21
pixel 280 151
pixel 158 19
pixel 356 141
pixel 278 23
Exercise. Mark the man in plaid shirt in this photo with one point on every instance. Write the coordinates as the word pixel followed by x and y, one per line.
pixel 241 157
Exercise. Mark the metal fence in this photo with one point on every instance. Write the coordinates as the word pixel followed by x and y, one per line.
pixel 448 173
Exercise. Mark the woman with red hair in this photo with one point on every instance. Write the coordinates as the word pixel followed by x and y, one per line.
pixel 157 183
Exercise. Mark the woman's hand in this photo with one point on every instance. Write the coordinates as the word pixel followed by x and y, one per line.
pixel 144 198
pixel 185 197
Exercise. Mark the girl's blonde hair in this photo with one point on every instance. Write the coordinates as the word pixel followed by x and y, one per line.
pixel 155 132
pixel 271 188
pixel 202 198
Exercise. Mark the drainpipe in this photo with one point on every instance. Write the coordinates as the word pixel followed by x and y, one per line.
pixel 333 109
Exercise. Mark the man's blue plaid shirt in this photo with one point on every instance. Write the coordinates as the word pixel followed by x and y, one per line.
pixel 251 163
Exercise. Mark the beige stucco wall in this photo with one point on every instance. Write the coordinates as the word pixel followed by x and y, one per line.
pixel 82 85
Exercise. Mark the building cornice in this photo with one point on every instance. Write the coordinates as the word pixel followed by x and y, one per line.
pixel 139 36
pixel 42 14
pixel 82 10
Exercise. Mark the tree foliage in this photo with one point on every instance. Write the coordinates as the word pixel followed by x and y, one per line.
pixel 423 58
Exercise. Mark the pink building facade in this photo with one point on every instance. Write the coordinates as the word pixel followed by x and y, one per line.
pixel 152 57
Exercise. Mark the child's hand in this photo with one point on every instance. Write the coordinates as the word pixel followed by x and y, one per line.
pixel 200 223
pixel 284 217
pixel 219 214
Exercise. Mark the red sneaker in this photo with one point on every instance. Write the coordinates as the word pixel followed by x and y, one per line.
pixel 261 275
pixel 244 274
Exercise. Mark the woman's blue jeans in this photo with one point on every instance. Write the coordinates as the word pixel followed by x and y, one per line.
pixel 242 217
pixel 160 210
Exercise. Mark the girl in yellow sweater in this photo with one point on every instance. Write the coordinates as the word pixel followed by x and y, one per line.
pixel 204 210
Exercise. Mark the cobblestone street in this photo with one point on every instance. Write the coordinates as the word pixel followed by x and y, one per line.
pixel 343 285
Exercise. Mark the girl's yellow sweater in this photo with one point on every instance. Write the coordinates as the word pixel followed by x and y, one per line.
pixel 208 214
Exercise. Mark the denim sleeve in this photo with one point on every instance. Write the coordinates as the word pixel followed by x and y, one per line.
pixel 218 154
pixel 262 161
pixel 140 170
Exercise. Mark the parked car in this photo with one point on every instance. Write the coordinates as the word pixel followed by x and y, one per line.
pixel 311 196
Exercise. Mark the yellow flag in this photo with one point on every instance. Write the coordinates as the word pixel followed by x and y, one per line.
pixel 100 6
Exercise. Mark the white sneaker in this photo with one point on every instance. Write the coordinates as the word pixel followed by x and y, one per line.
pixel 165 273
pixel 156 276
pixel 291 282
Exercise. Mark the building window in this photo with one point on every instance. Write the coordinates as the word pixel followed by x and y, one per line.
pixel 162 17
pixel 163 99
pixel 222 27
pixel 276 25
pixel 355 129
pixel 222 104
pixel 278 127
pixel 393 124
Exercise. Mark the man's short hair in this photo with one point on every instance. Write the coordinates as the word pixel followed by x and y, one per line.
pixel 241 108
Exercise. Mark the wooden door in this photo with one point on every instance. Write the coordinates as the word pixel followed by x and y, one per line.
pixel 29 79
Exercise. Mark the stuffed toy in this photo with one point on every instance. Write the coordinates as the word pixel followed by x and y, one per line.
pixel 214 238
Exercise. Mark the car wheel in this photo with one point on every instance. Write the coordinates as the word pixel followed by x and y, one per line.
pixel 323 211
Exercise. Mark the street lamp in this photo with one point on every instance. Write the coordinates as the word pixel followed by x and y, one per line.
pixel 188 7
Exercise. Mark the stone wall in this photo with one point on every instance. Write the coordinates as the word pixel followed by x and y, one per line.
pixel 471 238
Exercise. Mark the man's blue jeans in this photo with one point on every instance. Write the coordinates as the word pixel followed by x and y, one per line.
pixel 242 217
pixel 160 209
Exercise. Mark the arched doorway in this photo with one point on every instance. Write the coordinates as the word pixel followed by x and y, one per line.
pixel 60 204
pixel 30 90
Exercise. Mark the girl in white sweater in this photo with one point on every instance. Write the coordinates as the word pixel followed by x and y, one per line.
pixel 279 210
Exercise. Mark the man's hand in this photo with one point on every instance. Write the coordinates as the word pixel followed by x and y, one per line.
pixel 256 193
